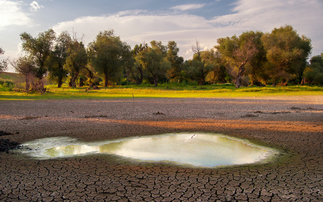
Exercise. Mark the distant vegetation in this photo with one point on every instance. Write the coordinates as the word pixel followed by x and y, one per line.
pixel 165 90
pixel 251 59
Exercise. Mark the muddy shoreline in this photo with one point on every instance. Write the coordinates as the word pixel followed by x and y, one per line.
pixel 292 123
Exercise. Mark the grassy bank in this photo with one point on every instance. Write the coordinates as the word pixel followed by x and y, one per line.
pixel 163 91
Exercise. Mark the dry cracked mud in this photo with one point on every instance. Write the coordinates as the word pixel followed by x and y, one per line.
pixel 293 124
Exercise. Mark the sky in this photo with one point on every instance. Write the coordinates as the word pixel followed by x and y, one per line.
pixel 141 21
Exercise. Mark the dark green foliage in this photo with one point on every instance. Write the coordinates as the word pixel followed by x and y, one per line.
pixel 313 74
pixel 39 48
pixel 238 52
pixel 57 60
pixel 76 60
pixel 153 61
pixel 253 58
pixel 108 55
pixel 286 54
pixel 174 73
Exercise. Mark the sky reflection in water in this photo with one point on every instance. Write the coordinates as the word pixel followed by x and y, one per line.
pixel 205 150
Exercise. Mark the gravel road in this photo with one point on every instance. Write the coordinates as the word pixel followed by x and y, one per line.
pixel 293 124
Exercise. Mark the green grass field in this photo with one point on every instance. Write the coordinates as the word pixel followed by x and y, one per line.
pixel 164 91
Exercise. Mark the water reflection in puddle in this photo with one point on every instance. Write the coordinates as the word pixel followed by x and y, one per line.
pixel 205 150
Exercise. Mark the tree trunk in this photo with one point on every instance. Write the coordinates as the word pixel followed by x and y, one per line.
pixel 240 74
pixel 60 81
pixel 156 80
pixel 81 82
pixel 202 82
pixel 106 80
pixel 72 83
pixel 141 78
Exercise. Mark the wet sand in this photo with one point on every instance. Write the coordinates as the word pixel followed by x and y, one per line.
pixel 293 124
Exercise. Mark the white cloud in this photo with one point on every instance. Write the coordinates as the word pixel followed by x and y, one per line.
pixel 304 15
pixel 12 14
pixel 140 26
pixel 187 7
pixel 34 6
pixel 136 27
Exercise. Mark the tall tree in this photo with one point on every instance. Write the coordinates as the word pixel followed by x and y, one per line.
pixel 39 48
pixel 200 66
pixel 287 53
pixel 255 67
pixel 107 55
pixel 58 57
pixel 237 51
pixel 3 63
pixel 76 60
pixel 176 62
pixel 153 61
pixel 136 70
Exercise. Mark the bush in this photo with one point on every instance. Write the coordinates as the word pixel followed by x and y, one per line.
pixel 6 85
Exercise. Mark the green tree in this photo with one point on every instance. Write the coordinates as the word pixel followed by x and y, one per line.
pixel 58 56
pixel 76 60
pixel 3 63
pixel 287 53
pixel 255 67
pixel 313 74
pixel 174 74
pixel 135 71
pixel 237 52
pixel 39 48
pixel 108 55
pixel 153 61
pixel 198 67
pixel 217 72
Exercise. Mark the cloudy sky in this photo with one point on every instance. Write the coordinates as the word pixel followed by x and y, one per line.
pixel 138 21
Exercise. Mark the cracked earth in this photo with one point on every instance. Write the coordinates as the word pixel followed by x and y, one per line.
pixel 293 124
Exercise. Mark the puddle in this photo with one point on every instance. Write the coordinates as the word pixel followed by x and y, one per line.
pixel 201 150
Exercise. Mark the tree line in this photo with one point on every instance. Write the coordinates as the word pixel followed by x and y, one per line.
pixel 253 58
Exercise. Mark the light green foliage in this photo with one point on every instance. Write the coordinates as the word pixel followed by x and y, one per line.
pixel 108 55
pixel 286 52
pixel 39 48
pixel 313 74
pixel 76 60
pixel 154 61
pixel 58 57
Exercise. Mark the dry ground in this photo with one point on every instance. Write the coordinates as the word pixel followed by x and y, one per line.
pixel 292 124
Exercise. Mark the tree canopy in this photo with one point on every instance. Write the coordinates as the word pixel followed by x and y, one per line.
pixel 287 53
pixel 108 55
pixel 39 48
pixel 253 58
pixel 153 61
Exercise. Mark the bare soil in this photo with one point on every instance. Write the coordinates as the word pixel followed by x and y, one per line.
pixel 293 124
